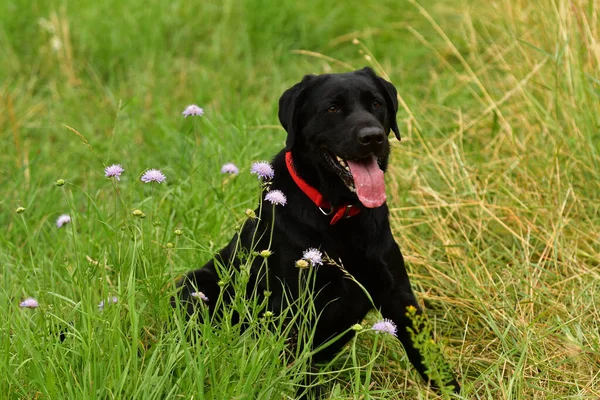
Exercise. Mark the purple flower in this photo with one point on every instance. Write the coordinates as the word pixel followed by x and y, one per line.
pixel 114 170
pixel 200 296
pixel 29 302
pixel 63 220
pixel 276 197
pixel 192 109
pixel 229 168
pixel 153 175
pixel 263 169
pixel 114 300
pixel 385 326
pixel 313 256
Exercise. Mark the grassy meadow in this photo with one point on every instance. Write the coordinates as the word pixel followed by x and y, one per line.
pixel 494 190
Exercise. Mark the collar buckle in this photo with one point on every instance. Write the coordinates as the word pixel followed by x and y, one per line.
pixel 347 211
pixel 326 212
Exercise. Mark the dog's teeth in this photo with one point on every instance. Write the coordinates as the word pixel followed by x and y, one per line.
pixel 342 162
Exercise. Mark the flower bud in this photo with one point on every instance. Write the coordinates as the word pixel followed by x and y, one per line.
pixel 265 253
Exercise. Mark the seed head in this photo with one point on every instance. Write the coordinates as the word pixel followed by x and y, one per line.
pixel 265 253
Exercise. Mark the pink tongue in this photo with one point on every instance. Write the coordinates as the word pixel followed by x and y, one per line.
pixel 368 181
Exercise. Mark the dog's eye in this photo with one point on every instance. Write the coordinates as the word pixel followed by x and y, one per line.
pixel 333 109
pixel 376 104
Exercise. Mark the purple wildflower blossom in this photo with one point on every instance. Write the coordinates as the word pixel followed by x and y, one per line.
pixel 114 170
pixel 263 169
pixel 114 300
pixel 153 175
pixel 192 110
pixel 200 296
pixel 230 168
pixel 29 302
pixel 313 256
pixel 385 326
pixel 276 197
pixel 63 220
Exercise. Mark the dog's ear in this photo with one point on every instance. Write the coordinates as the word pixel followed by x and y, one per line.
pixel 289 103
pixel 391 98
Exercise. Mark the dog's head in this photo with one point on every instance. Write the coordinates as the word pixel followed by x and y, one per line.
pixel 344 120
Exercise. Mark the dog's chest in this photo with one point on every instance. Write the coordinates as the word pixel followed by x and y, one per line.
pixel 360 252
pixel 341 295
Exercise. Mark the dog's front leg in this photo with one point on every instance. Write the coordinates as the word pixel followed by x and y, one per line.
pixel 199 288
pixel 400 305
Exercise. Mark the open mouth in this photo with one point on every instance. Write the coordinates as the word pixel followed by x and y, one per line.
pixel 341 167
pixel 361 176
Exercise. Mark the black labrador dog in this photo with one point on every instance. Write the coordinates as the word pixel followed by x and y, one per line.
pixel 332 173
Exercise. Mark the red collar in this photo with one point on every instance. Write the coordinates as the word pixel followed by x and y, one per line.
pixel 344 211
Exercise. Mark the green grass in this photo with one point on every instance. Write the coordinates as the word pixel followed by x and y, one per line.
pixel 493 190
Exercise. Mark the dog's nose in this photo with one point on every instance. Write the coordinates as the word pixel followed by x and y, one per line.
pixel 371 135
